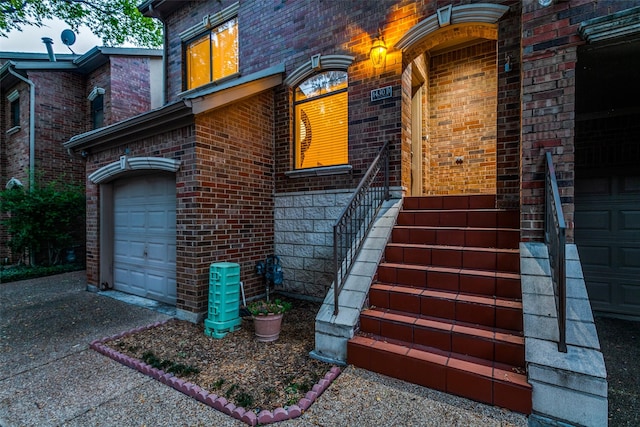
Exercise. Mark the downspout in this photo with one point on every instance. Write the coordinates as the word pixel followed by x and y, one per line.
pixel 165 50
pixel 32 125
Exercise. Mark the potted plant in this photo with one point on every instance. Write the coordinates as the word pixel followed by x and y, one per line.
pixel 267 318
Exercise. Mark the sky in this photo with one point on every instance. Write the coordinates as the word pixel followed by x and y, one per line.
pixel 30 39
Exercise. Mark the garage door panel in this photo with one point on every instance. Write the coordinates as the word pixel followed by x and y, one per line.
pixel 129 250
pixel 629 220
pixel 156 220
pixel 630 184
pixel 599 291
pixel 591 186
pixel 631 294
pixel 595 220
pixel 595 255
pixel 158 252
pixel 133 277
pixel 156 283
pixel 630 258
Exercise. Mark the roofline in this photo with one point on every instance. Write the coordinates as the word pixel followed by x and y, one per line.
pixel 92 59
pixel 169 117
pixel 180 113
pixel 35 56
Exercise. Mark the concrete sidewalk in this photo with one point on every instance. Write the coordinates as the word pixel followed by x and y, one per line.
pixel 50 377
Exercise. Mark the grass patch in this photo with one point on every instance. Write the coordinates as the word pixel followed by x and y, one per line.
pixel 15 273
pixel 168 366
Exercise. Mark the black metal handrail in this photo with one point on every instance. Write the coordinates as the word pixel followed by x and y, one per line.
pixel 555 238
pixel 351 229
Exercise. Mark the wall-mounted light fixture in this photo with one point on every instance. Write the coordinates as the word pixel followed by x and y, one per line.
pixel 545 3
pixel 378 52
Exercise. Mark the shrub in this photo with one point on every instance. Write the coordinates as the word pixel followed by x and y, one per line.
pixel 46 219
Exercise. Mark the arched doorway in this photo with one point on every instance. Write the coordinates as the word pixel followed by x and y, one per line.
pixel 452 60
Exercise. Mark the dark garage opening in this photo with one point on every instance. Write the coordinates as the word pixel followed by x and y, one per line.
pixel 607 191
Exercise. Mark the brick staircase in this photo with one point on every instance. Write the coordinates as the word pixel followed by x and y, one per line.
pixel 445 309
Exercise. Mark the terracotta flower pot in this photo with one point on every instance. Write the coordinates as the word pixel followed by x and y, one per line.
pixel 267 327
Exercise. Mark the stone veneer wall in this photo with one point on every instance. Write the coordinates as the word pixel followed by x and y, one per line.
pixel 304 238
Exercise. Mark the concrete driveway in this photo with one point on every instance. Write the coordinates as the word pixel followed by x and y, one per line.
pixel 50 377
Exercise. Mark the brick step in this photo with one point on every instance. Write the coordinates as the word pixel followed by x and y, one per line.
pixel 486 218
pixel 474 282
pixel 502 313
pixel 489 259
pixel 488 382
pixel 505 238
pixel 490 344
pixel 476 201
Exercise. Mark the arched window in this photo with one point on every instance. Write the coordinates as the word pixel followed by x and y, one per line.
pixel 321 121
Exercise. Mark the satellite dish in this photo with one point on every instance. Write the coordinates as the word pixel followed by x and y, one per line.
pixel 68 37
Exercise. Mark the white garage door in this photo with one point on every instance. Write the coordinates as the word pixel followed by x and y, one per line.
pixel 145 236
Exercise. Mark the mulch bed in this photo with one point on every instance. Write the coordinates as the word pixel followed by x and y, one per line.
pixel 253 381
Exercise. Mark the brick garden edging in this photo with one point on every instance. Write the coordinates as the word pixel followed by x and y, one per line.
pixel 214 401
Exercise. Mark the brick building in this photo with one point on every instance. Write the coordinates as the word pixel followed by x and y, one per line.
pixel 273 114
pixel 45 102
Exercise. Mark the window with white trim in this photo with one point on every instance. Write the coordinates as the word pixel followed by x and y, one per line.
pixel 97 107
pixel 321 120
pixel 14 110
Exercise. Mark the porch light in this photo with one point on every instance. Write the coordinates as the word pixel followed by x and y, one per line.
pixel 378 51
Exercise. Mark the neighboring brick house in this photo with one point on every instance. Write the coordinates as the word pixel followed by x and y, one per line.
pixel 274 112
pixel 45 102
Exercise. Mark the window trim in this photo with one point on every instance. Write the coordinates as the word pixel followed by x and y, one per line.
pixel 95 92
pixel 14 99
pixel 210 21
pixel 318 64
pixel 93 95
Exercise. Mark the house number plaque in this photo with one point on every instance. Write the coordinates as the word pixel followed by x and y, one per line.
pixel 381 93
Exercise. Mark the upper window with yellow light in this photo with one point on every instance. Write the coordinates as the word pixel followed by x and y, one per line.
pixel 211 49
pixel 321 121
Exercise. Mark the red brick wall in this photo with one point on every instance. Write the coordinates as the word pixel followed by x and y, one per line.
pixel 224 208
pixel 509 101
pixel 59 116
pixel 177 144
pixel 130 93
pixel 291 32
pixel 126 81
pixel 550 40
pixel 101 77
pixel 225 203
pixel 14 150
pixel 462 115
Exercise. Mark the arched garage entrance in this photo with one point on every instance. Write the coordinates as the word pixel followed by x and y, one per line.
pixel 138 227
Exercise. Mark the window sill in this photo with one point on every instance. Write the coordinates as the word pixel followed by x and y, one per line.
pixel 322 171
pixel 13 130
pixel 209 85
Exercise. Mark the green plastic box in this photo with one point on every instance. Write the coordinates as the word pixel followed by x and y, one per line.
pixel 224 300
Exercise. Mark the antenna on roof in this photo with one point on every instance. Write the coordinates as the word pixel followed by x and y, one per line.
pixel 68 38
